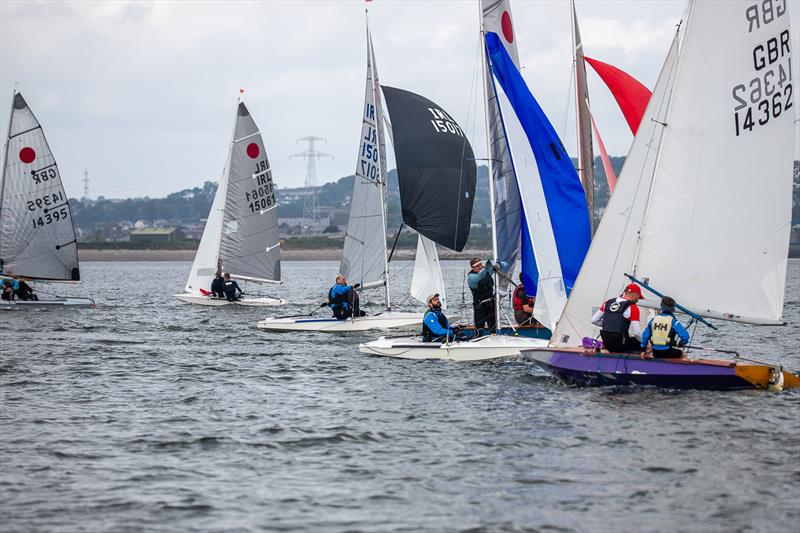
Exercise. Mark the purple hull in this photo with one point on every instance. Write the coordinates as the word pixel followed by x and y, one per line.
pixel 617 369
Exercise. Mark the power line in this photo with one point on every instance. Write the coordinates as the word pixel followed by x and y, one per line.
pixel 311 155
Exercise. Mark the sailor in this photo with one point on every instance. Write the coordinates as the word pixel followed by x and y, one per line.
pixel 435 326
pixel 218 285
pixel 231 289
pixel 618 319
pixel 7 291
pixel 664 332
pixel 523 305
pixel 481 284
pixel 343 299
pixel 23 290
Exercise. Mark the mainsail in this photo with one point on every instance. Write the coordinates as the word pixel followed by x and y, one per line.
pixel 241 233
pixel 507 206
pixel 719 149
pixel 249 247
pixel 37 237
pixel 364 255
pixel 435 167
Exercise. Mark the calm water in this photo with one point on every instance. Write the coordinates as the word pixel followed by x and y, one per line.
pixel 149 414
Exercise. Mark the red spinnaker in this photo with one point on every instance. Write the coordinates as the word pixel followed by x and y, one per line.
pixel 631 95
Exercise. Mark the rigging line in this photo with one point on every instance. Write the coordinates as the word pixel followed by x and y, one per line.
pixel 397 237
pixel 569 100
pixel 24 132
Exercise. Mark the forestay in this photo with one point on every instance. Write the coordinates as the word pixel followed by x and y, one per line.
pixel 37 237
pixel 435 166
pixel 249 247
pixel 364 254
pixel 427 278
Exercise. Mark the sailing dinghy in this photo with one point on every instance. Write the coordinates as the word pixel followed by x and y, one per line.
pixel 241 233
pixel 37 237
pixel 705 146
pixel 538 205
pixel 364 258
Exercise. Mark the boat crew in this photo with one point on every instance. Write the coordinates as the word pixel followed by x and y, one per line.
pixel 664 332
pixel 343 299
pixel 523 305
pixel 435 327
pixel 481 284
pixel 231 289
pixel 618 319
pixel 218 286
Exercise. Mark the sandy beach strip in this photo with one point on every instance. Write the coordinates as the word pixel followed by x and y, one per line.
pixel 90 255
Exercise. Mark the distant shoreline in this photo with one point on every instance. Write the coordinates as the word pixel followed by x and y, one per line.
pixel 93 255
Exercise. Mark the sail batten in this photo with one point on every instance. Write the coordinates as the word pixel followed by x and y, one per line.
pixel 37 235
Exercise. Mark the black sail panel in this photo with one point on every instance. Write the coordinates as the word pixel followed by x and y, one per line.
pixel 435 167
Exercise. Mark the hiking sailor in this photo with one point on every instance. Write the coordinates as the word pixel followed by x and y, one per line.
pixel 231 288
pixel 343 299
pixel 662 331
pixel 435 327
pixel 618 319
pixel 481 284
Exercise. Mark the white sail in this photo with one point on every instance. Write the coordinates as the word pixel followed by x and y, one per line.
pixel 717 229
pixel 205 262
pixel 37 237
pixel 427 277
pixel 713 220
pixel 364 254
pixel 249 247
pixel 610 255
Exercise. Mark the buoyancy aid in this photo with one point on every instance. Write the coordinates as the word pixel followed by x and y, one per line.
pixel 517 300
pixel 614 320
pixel 484 291
pixel 662 333
pixel 339 299
pixel 427 334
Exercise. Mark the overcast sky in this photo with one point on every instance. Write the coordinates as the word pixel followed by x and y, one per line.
pixel 142 94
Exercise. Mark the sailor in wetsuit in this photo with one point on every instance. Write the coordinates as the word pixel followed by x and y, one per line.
pixel 435 326
pixel 664 332
pixel 218 286
pixel 343 299
pixel 231 289
pixel 618 319
pixel 481 284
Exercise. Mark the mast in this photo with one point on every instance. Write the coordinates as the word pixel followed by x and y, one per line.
pixel 583 118
pixel 485 69
pixel 381 157
pixel 222 187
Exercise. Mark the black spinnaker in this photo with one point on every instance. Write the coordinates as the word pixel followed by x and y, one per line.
pixel 435 167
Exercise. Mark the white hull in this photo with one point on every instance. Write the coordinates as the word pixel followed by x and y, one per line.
pixel 385 320
pixel 59 301
pixel 481 349
pixel 199 299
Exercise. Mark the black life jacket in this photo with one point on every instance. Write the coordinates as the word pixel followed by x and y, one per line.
pixel 218 285
pixel 614 320
pixel 427 334
pixel 230 288
pixel 485 290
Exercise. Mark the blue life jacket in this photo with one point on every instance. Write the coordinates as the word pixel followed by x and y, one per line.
pixel 338 296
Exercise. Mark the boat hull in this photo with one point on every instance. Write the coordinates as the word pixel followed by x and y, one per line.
pixel 52 303
pixel 199 299
pixel 488 348
pixel 603 369
pixel 385 320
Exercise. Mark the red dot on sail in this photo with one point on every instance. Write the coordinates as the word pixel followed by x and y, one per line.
pixel 508 30
pixel 252 150
pixel 27 155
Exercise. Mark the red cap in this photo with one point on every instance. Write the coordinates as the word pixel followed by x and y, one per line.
pixel 634 288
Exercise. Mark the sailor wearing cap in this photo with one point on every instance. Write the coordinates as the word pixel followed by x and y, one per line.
pixel 435 326
pixel 664 332
pixel 618 319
